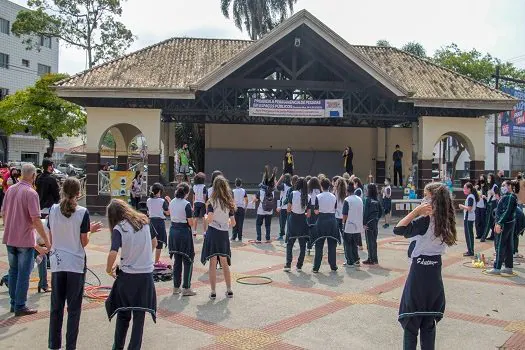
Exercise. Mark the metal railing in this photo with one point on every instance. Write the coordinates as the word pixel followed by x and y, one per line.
pixel 104 183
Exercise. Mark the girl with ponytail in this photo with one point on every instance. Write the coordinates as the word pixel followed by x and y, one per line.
pixel 431 227
pixel 297 224
pixel 69 226
pixel 157 211
pixel 181 240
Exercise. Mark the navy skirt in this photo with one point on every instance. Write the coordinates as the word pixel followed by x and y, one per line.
pixel 326 227
pixel 159 227
pixel 424 294
pixel 132 292
pixel 181 241
pixel 216 243
pixel 297 226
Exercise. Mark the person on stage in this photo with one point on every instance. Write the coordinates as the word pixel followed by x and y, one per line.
pixel 348 158
pixel 398 166
pixel 288 162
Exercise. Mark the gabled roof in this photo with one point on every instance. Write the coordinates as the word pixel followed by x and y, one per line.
pixel 178 67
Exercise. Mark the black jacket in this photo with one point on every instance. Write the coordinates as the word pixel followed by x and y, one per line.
pixel 48 190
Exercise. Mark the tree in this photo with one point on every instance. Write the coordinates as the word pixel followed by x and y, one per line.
pixel 108 140
pixel 90 25
pixel 383 43
pixel 415 48
pixel 258 17
pixel 475 64
pixel 40 111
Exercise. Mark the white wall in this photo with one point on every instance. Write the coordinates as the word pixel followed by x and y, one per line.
pixel 18 144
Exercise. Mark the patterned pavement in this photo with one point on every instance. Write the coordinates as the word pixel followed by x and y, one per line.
pixel 352 308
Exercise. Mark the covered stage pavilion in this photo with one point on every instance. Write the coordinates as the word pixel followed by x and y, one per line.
pixel 389 97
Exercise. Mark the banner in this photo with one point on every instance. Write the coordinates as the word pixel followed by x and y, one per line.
pixel 296 108
pixel 513 122
pixel 120 184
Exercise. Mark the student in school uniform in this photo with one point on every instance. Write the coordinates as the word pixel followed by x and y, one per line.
pixel 200 195
pixel 213 177
pixel 133 292
pixel 216 247
pixel 69 226
pixel 353 226
pixel 314 188
pixel 181 241
pixel 264 197
pixel 297 229
pixel 492 203
pixel 371 214
pixel 340 194
pixel 430 227
pixel 504 226
pixel 240 198
pixel 359 192
pixel 326 227
pixel 469 216
pixel 157 211
pixel 386 193
pixel 283 186
pixel 481 206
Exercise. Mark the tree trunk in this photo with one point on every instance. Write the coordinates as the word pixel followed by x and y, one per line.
pixel 51 147
pixel 461 148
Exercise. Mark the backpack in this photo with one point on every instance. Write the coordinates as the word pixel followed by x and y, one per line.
pixel 268 202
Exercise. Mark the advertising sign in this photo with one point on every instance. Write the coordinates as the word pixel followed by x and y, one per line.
pixel 120 184
pixel 513 122
pixel 296 108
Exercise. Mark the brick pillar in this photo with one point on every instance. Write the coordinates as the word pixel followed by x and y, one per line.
pixel 153 169
pixel 122 163
pixel 424 174
pixel 477 167
pixel 95 203
pixel 380 171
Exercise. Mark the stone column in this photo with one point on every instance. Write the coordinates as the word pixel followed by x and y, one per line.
pixel 153 168
pixel 122 163
pixel 380 156
pixel 95 203
pixel 424 174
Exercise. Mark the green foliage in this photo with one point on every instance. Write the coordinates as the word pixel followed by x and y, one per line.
pixel 39 110
pixel 415 48
pixel 383 43
pixel 108 140
pixel 87 24
pixel 475 64
pixel 258 17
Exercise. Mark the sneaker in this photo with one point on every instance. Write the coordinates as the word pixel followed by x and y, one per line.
pixel 368 262
pixel 287 268
pixel 188 292
pixel 315 271
pixel 385 226
pixel 350 265
pixel 299 269
pixel 345 264
pixel 213 295
pixel 268 241
pixel 334 269
pixel 308 252
pixel 493 272
pixel 361 247
pixel 482 240
pixel 229 294
pixel 516 256
pixel 468 254
pixel 258 241
pixel 232 239
pixel 357 264
pixel 194 233
pixel 507 271
pixel 176 291
pixel 280 238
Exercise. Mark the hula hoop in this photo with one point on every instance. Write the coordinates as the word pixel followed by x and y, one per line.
pixel 253 241
pixel 93 292
pixel 506 275
pixel 399 243
pixel 267 280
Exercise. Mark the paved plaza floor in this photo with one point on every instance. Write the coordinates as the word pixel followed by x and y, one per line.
pixel 349 309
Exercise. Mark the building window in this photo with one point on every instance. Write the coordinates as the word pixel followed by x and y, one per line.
pixel 3 93
pixel 25 63
pixel 29 157
pixel 43 69
pixel 4 26
pixel 4 60
pixel 501 149
pixel 45 41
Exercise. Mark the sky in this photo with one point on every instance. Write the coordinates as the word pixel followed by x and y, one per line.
pixel 493 26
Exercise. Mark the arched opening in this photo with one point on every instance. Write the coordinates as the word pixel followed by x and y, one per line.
pixel 452 156
pixel 123 146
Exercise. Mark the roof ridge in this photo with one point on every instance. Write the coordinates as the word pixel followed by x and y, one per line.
pixel 146 48
pixel 429 61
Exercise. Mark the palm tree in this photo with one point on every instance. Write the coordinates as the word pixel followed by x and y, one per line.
pixel 258 17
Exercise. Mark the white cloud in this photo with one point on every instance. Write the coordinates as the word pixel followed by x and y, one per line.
pixel 494 26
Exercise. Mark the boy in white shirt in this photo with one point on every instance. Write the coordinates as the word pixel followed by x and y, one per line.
pixel 353 226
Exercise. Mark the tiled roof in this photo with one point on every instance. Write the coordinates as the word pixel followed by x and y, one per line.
pixel 426 80
pixel 179 63
pixel 172 64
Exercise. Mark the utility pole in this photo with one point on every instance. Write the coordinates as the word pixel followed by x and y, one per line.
pixel 496 127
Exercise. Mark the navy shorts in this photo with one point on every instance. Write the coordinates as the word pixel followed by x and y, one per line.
pixel 387 205
pixel 199 210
